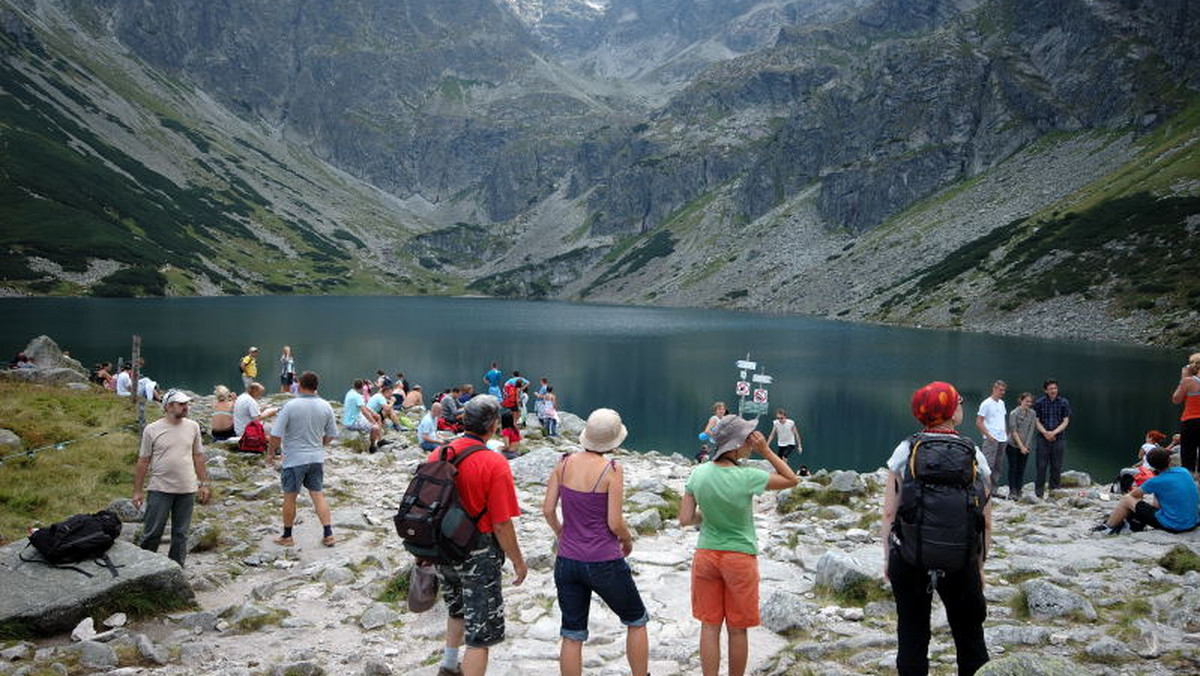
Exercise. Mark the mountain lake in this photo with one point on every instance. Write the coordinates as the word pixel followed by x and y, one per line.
pixel 847 385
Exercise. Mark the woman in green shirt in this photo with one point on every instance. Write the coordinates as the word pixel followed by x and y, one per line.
pixel 719 496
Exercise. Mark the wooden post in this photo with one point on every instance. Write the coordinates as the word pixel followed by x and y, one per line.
pixel 139 402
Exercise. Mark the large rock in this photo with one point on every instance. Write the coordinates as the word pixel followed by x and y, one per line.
pixel 838 572
pixel 570 424
pixel 56 377
pixel 378 615
pixel 46 354
pixel 783 612
pixel 1047 600
pixel 843 481
pixel 1076 479
pixel 1031 665
pixel 44 600
pixel 535 466
pixel 9 442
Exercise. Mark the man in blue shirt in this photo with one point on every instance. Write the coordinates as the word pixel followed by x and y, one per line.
pixel 1053 416
pixel 356 417
pixel 494 378
pixel 1178 500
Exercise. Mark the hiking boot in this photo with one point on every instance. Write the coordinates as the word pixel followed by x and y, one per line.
pixel 443 671
pixel 284 542
pixel 328 540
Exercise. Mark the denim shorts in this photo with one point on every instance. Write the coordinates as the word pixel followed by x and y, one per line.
pixel 311 476
pixel 612 581
pixel 471 590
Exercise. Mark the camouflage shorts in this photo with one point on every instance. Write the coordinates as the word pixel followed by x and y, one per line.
pixel 471 590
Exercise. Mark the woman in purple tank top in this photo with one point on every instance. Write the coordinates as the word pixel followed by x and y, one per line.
pixel 593 542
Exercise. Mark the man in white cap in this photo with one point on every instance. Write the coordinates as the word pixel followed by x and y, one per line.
pixel 173 458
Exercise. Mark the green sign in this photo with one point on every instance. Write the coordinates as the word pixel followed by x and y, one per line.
pixel 753 408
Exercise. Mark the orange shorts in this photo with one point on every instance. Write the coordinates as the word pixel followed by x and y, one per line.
pixel 725 588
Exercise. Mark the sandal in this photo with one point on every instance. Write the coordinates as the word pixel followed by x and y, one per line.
pixel 328 540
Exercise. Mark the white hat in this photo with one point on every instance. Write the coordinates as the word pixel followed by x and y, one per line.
pixel 604 431
pixel 175 396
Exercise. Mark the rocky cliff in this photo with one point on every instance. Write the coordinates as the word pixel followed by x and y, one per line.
pixel 745 154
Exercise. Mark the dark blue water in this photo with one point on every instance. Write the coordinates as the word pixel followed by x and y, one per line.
pixel 846 385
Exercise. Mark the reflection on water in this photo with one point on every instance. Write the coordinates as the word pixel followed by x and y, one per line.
pixel 847 385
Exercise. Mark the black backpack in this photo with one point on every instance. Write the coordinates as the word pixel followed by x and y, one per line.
pixel 940 522
pixel 78 538
pixel 432 522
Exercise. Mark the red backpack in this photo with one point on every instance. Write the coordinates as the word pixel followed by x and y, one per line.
pixel 254 438
pixel 512 396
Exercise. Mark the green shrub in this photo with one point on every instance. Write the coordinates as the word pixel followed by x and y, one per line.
pixel 1180 560
pixel 396 589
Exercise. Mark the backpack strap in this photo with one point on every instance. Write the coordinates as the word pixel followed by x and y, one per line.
pixel 106 563
pixel 55 565
pixel 459 458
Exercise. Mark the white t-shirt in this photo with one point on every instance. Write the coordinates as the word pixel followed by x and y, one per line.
pixel 785 431
pixel 124 384
pixel 1146 448
pixel 994 415
pixel 899 459
pixel 245 409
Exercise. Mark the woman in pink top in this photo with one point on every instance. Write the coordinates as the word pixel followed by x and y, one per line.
pixel 593 542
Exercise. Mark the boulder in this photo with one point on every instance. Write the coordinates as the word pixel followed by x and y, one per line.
pixel 1046 600
pixel 843 481
pixel 45 600
pixel 648 521
pixel 782 612
pixel 148 651
pixel 125 511
pixel 56 377
pixel 535 466
pixel 570 424
pixel 1011 634
pixel 373 666
pixel 9 442
pixel 1076 479
pixel 1032 665
pixel 378 615
pixel 647 500
pixel 46 354
pixel 839 572
pixel 97 655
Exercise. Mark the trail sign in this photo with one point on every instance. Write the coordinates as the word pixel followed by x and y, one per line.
pixel 742 389
pixel 751 408
pixel 747 365
pixel 762 378
pixel 760 396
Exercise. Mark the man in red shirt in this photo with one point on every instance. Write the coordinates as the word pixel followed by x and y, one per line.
pixel 485 487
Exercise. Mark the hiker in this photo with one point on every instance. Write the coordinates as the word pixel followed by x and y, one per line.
pixel 305 427
pixel 916 565
pixel 124 384
pixel 249 366
pixel 540 404
pixel 512 435
pixel 402 386
pixel 172 456
pixel 1053 417
pixel 789 437
pixel 380 404
pixel 593 541
pixel 103 376
pixel 1188 394
pixel 719 410
pixel 1142 472
pixel 414 400
pixel 719 496
pixel 287 370
pixel 466 391
pixel 220 425
pixel 991 421
pixel 427 430
pixel 550 411
pixel 513 388
pixel 245 408
pixel 494 379
pixel 1022 425
pixel 471 588
pixel 356 417
pixel 1176 494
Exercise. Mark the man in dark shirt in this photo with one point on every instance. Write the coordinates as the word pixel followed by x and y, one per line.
pixel 1053 416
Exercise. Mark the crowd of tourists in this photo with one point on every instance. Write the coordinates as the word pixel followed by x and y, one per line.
pixel 936 511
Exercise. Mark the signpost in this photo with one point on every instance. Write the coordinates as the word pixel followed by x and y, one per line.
pixel 756 402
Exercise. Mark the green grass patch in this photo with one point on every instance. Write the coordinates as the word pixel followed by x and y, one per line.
pixel 1016 578
pixel 83 475
pixel 396 589
pixel 670 511
pixel 1019 605
pixel 1180 559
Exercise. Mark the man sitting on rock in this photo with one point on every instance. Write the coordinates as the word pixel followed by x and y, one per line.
pixel 427 434
pixel 245 408
pixel 1176 493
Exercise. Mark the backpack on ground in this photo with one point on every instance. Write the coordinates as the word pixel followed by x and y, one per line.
pixel 512 396
pixel 940 522
pixel 431 520
pixel 76 539
pixel 254 438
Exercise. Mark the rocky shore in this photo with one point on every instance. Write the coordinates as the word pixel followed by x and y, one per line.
pixel 1060 600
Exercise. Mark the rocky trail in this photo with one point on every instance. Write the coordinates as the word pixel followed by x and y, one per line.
pixel 1060 599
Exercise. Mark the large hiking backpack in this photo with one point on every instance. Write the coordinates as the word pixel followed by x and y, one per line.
pixel 76 539
pixel 512 396
pixel 940 523
pixel 254 438
pixel 431 520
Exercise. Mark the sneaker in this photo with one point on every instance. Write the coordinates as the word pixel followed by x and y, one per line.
pixel 284 542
